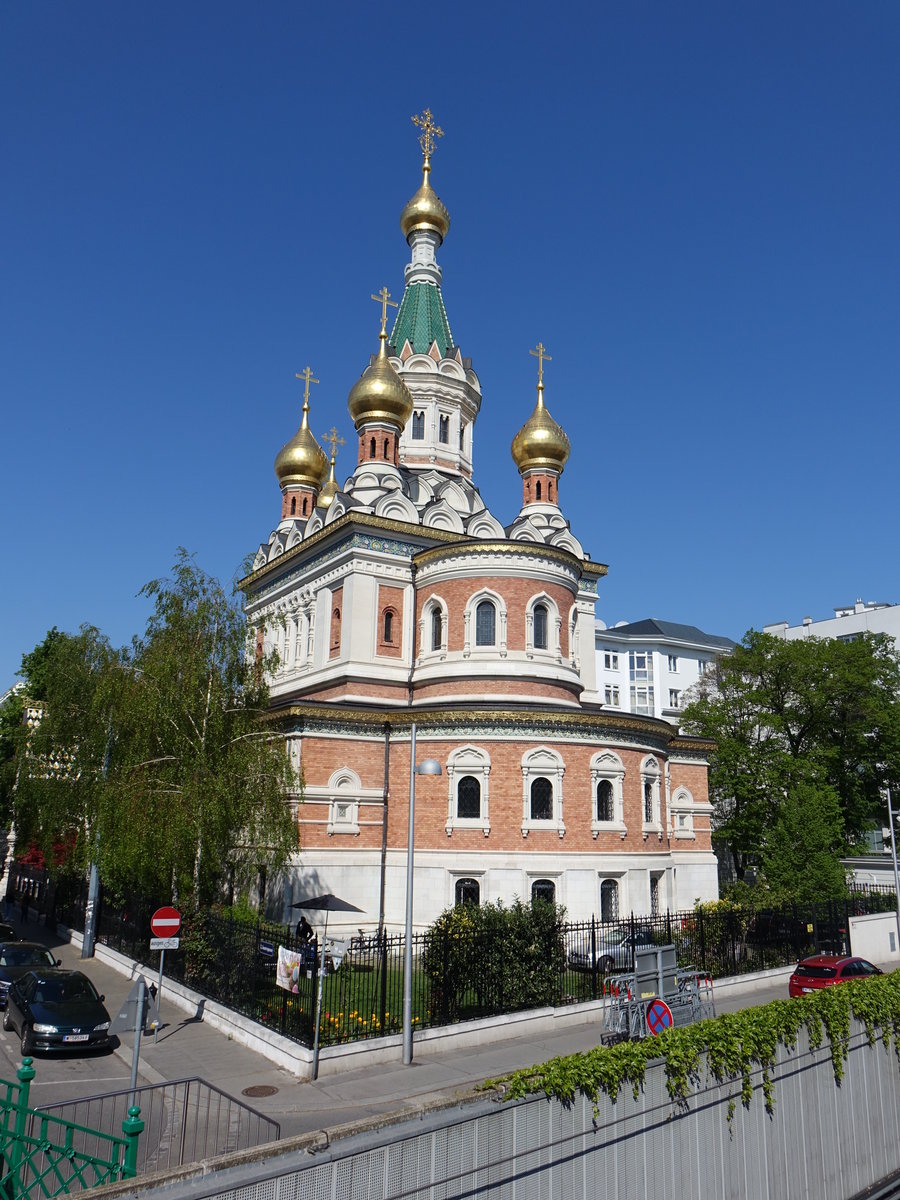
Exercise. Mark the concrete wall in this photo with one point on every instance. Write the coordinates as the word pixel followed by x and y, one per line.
pixel 875 937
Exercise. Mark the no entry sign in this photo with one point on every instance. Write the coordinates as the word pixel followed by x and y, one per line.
pixel 165 922
pixel 659 1017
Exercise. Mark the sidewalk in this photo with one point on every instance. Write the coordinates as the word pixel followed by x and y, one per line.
pixel 188 1047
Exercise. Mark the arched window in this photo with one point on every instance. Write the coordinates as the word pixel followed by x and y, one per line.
pixel 468 891
pixel 468 799
pixel 293 505
pixel 604 800
pixel 609 900
pixel 418 426
pixel 648 802
pixel 485 624
pixel 385 447
pixel 462 438
pixel 537 490
pixel 388 626
pixel 444 430
pixel 437 628
pixel 372 448
pixel 539 615
pixel 543 890
pixel 541 800
pixel 305 502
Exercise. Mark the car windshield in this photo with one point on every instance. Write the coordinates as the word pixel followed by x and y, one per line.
pixel 25 956
pixel 810 972
pixel 62 991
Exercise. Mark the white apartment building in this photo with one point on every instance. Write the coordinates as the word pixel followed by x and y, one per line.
pixel 646 667
pixel 847 624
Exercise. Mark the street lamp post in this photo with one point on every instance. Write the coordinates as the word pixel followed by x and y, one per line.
pixel 428 766
pixel 894 860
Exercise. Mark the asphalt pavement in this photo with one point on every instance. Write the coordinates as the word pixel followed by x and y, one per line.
pixel 187 1047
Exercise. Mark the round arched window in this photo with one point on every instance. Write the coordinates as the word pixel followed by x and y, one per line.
pixel 539 616
pixel 541 800
pixel 468 891
pixel 544 890
pixel 604 800
pixel 468 799
pixel 485 624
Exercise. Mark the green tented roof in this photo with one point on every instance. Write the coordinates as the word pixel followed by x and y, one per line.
pixel 422 319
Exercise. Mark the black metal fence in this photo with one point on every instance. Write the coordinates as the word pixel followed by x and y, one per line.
pixel 459 976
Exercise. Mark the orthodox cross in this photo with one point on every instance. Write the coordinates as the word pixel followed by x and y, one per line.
pixel 384 299
pixel 335 440
pixel 307 375
pixel 542 356
pixel 430 131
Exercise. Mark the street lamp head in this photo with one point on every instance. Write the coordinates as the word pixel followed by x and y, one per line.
pixel 429 766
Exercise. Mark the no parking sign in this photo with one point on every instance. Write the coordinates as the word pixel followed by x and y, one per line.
pixel 659 1017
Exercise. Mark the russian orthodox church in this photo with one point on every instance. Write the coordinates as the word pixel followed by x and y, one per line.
pixel 404 613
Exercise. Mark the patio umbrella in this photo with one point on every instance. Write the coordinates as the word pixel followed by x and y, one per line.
pixel 327 903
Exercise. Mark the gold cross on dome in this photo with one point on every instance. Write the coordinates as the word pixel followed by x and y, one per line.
pixel 542 356
pixel 335 440
pixel 430 131
pixel 384 299
pixel 307 375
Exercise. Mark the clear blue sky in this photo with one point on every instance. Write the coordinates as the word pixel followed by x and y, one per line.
pixel 694 206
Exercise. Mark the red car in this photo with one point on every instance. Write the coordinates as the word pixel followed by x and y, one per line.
pixel 825 970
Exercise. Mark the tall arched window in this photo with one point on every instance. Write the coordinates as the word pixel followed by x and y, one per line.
pixel 539 616
pixel 543 890
pixel 604 800
pixel 372 448
pixel 541 800
pixel 609 900
pixel 437 628
pixel 485 624
pixel 305 501
pixel 385 447
pixel 293 505
pixel 468 891
pixel 418 426
pixel 444 430
pixel 468 799
pixel 648 802
pixel 537 490
pixel 388 626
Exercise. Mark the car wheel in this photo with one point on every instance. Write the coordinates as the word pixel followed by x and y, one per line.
pixel 27 1040
pixel 607 962
pixel 7 1020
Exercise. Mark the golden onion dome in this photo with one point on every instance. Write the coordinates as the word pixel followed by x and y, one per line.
pixel 541 443
pixel 380 394
pixel 330 489
pixel 302 461
pixel 424 210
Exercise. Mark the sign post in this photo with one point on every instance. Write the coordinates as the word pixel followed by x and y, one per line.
pixel 137 1012
pixel 164 925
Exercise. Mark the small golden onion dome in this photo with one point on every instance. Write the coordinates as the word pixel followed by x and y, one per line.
pixel 330 490
pixel 425 210
pixel 301 461
pixel 541 444
pixel 380 394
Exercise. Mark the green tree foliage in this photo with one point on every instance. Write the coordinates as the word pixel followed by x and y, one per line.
pixel 494 958
pixel 800 853
pixel 789 716
pixel 166 773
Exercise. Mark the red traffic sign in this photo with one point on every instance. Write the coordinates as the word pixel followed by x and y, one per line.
pixel 165 922
pixel 659 1017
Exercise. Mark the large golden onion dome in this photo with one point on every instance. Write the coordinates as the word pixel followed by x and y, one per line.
pixel 425 210
pixel 380 394
pixel 330 489
pixel 541 443
pixel 302 461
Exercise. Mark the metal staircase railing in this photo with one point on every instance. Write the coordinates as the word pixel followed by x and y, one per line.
pixel 43 1156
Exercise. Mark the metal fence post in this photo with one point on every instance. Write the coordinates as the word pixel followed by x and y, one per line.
pixel 702 931
pixel 132 1127
pixel 595 972
pixel 25 1074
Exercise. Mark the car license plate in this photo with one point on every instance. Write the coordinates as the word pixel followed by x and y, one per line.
pixel 807 989
pixel 75 1037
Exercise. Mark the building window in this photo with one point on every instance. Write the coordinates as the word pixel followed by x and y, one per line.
pixel 305 502
pixel 654 895
pixel 674 697
pixel 642 699
pixel 539 614
pixel 543 890
pixel 702 665
pixel 541 800
pixel 611 661
pixel 650 805
pixel 386 444
pixel 640 665
pixel 444 430
pixel 611 695
pixel 335 630
pixel 462 438
pixel 609 900
pixel 388 626
pixel 437 628
pixel 537 490
pixel 485 624
pixel 468 891
pixel 418 426
pixel 293 505
pixel 468 799
pixel 604 800
pixel 673 662
pixel 371 448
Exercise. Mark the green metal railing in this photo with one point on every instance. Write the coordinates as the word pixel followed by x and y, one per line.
pixel 42 1155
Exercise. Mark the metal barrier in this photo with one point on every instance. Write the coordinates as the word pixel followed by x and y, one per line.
pixel 656 995
pixel 186 1121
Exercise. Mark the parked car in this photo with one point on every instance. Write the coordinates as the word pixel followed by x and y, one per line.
pixel 54 1009
pixel 16 958
pixel 826 970
pixel 614 951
